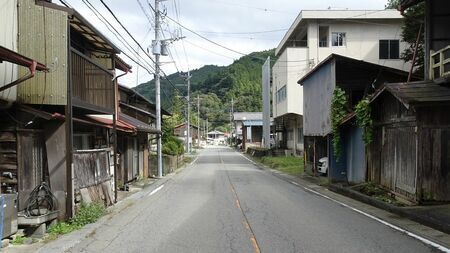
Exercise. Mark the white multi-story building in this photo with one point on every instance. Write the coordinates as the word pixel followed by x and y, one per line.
pixel 369 35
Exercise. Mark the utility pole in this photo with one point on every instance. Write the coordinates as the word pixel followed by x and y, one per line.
pixel 188 79
pixel 157 53
pixel 231 116
pixel 198 116
pixel 207 130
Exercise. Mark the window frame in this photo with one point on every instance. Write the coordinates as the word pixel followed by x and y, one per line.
pixel 344 40
pixel 328 37
pixel 389 49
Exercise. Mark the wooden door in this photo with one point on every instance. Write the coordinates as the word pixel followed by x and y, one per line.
pixel 31 163
pixel 406 169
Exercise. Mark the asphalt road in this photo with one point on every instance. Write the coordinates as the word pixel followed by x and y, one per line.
pixel 223 203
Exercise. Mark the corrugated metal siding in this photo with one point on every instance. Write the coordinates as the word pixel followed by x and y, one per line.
pixel 43 37
pixel 317 94
pixel 8 39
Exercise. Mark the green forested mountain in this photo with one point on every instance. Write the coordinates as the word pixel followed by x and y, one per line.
pixel 216 86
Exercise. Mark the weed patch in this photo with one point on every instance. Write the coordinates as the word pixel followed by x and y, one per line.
pixel 88 213
pixel 287 164
pixel 18 240
pixel 377 192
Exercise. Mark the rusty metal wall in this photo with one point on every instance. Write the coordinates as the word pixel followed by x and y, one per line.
pixel 43 36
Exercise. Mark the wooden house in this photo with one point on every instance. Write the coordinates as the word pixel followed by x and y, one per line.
pixel 134 148
pixel 62 115
pixel 180 131
pixel 410 154
pixel 357 78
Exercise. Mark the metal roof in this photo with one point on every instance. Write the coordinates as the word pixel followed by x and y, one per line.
pixel 139 125
pixel 137 94
pixel 419 92
pixel 341 58
pixel 252 122
pixel 95 37
pixel 247 116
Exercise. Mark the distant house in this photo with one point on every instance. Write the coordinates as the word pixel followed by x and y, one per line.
pixel 248 128
pixel 134 148
pixel 358 79
pixel 216 137
pixel 181 132
pixel 369 35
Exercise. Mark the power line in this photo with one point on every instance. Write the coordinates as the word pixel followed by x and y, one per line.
pixel 145 13
pixel 131 36
pixel 117 35
pixel 189 42
pixel 235 33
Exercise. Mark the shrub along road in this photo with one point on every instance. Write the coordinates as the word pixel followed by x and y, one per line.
pixel 223 203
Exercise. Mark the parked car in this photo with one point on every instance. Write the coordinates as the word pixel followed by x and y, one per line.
pixel 323 165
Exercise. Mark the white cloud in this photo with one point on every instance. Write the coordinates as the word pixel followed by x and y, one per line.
pixel 223 16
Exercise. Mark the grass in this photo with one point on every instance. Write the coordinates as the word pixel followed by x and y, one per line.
pixel 19 240
pixel 287 164
pixel 377 192
pixel 88 213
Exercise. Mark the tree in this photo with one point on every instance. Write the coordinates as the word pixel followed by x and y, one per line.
pixel 414 18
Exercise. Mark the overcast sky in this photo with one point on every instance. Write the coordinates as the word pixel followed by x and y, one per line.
pixel 216 20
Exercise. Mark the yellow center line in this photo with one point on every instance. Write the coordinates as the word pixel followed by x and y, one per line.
pixel 246 223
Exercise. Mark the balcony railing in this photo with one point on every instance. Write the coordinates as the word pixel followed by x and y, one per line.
pixel 92 84
pixel 440 63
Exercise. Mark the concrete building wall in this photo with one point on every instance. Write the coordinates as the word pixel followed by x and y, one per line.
pixel 362 42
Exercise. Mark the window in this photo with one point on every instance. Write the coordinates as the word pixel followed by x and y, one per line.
pixel 338 39
pixel 323 36
pixel 300 135
pixel 291 135
pixel 389 49
pixel 281 94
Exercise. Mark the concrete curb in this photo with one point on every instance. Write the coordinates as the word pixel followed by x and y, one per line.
pixel 402 211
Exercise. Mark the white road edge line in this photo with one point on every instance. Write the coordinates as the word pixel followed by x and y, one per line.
pixel 418 237
pixel 247 159
pixel 194 161
pixel 155 190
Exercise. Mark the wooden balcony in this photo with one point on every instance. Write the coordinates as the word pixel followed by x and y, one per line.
pixel 92 85
pixel 440 63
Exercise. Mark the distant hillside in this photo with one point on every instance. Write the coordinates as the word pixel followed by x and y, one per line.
pixel 216 85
